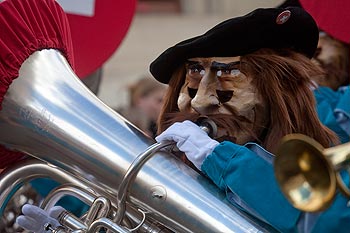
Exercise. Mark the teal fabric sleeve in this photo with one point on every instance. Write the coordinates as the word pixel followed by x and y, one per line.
pixel 342 110
pixel 337 217
pixel 235 168
pixel 329 104
pixel 344 100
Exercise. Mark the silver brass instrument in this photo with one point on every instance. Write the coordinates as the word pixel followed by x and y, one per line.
pixel 130 182
pixel 308 174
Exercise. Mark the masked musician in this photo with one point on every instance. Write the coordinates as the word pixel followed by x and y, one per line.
pixel 332 90
pixel 252 76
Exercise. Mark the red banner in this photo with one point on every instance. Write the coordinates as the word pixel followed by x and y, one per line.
pixel 96 38
pixel 332 16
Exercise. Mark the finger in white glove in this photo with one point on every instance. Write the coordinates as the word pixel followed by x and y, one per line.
pixel 35 218
pixel 191 140
pixel 55 211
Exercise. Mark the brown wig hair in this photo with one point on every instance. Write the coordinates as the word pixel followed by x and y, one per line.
pixel 283 78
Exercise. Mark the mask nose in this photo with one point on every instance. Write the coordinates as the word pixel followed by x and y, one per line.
pixel 206 98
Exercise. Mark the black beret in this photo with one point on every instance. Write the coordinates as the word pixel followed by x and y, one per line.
pixel 288 3
pixel 290 27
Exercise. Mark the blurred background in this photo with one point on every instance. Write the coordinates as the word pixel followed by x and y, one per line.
pixel 157 25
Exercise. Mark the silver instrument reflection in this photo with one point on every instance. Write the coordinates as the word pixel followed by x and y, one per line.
pixel 72 137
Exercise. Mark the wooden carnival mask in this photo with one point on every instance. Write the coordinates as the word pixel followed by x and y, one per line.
pixel 219 86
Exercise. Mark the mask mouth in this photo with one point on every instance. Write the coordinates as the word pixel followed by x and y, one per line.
pixel 211 128
pixel 208 125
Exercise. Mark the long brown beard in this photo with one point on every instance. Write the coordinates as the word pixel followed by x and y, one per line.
pixel 232 123
pixel 223 121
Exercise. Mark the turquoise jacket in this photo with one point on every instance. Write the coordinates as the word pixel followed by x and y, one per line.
pixel 333 109
pixel 246 174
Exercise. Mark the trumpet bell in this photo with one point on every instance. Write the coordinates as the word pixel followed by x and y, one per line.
pixel 305 176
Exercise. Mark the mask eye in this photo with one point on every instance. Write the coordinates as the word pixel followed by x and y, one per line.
pixel 235 72
pixel 227 72
pixel 196 70
pixel 192 92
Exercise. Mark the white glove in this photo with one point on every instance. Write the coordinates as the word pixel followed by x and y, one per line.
pixel 191 140
pixel 35 218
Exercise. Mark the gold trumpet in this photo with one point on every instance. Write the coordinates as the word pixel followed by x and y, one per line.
pixel 308 174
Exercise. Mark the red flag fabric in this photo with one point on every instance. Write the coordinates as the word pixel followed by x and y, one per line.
pixel 96 38
pixel 331 16
pixel 27 26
